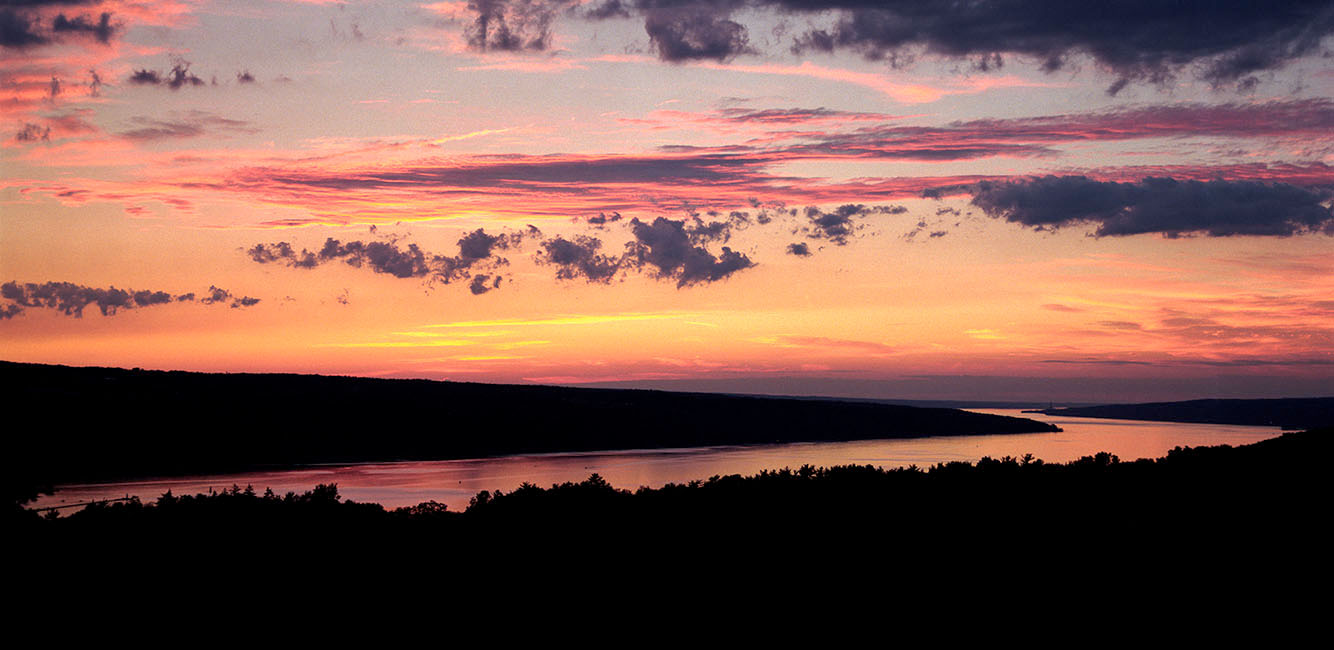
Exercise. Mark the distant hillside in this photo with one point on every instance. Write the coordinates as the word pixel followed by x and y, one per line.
pixel 104 423
pixel 952 403
pixel 1293 413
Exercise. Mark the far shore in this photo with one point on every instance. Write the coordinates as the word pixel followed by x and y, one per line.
pixel 190 424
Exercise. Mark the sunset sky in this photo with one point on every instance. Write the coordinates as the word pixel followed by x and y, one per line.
pixel 1006 200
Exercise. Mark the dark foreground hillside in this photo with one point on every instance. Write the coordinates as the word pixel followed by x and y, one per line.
pixel 1262 500
pixel 1289 413
pixel 103 423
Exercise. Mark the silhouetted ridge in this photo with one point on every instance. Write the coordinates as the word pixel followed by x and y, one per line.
pixel 1289 413
pixel 103 423
pixel 1188 514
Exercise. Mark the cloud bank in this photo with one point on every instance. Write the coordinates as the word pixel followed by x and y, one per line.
pixel 71 299
pixel 1166 206
pixel 477 249
pixel 1218 41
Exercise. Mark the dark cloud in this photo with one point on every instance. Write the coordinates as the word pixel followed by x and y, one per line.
pixel 579 257
pixel 244 77
pixel 670 248
pixel 701 231
pixel 667 248
pixel 145 78
pixel 478 245
pixel 179 76
pixel 692 33
pixel 1220 41
pixel 100 29
pixel 282 251
pixel 266 253
pixel 215 295
pixel 482 283
pixel 603 219
pixel 608 9
pixel 684 30
pixel 837 225
pixel 1159 205
pixel 381 257
pixel 223 296
pixel 799 249
pixel 474 247
pixel 20 28
pixel 917 229
pixel 33 133
pixel 71 299
pixel 1224 40
pixel 66 297
pixel 146 298
pixel 477 249
pixel 48 3
pixel 513 25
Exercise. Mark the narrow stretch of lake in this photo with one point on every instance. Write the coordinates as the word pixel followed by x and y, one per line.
pixel 454 482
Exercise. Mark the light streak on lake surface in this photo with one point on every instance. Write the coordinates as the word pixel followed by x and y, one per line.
pixel 454 482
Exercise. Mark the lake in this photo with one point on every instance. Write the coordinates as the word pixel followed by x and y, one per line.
pixel 454 482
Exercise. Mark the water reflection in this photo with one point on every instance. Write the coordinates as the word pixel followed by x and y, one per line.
pixel 454 482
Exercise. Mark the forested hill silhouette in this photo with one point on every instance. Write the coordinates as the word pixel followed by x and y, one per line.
pixel 105 423
pixel 1289 413
pixel 1217 516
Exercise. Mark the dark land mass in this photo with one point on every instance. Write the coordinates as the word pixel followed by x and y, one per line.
pixel 92 424
pixel 1289 413
pixel 1199 518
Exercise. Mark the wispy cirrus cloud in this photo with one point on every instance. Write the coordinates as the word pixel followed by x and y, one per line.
pixel 828 344
pixel 908 93
pixel 574 184
pixel 361 182
pixel 731 118
pixel 191 124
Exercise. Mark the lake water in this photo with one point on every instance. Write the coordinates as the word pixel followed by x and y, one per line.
pixel 454 482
